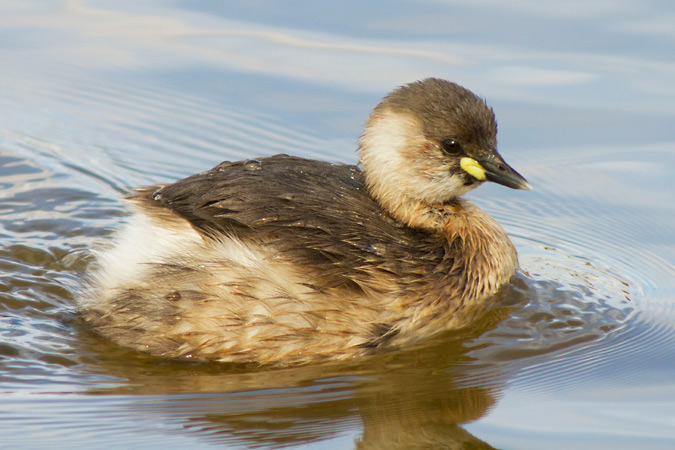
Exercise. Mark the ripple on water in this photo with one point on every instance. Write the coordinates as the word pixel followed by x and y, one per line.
pixel 586 295
pixel 109 135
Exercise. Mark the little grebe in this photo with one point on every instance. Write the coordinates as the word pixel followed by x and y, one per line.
pixel 284 260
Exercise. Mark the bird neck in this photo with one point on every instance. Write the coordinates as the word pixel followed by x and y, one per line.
pixel 479 246
pixel 416 213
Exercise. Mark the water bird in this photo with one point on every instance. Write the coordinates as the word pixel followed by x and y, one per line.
pixel 284 260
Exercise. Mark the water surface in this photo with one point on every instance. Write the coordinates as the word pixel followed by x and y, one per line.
pixel 579 352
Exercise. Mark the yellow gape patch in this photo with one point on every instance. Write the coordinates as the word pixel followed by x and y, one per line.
pixel 472 167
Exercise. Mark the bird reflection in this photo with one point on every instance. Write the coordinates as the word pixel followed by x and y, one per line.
pixel 415 398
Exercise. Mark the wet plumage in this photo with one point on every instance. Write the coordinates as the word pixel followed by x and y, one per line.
pixel 285 260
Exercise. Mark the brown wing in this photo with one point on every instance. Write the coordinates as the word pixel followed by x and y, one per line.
pixel 314 214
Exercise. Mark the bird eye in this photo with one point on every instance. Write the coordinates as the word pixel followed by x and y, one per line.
pixel 451 147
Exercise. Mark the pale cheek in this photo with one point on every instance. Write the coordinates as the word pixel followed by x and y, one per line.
pixel 399 162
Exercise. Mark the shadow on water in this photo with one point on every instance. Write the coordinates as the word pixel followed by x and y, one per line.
pixel 402 399
pixel 411 398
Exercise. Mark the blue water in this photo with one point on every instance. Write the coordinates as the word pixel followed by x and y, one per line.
pixel 100 96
